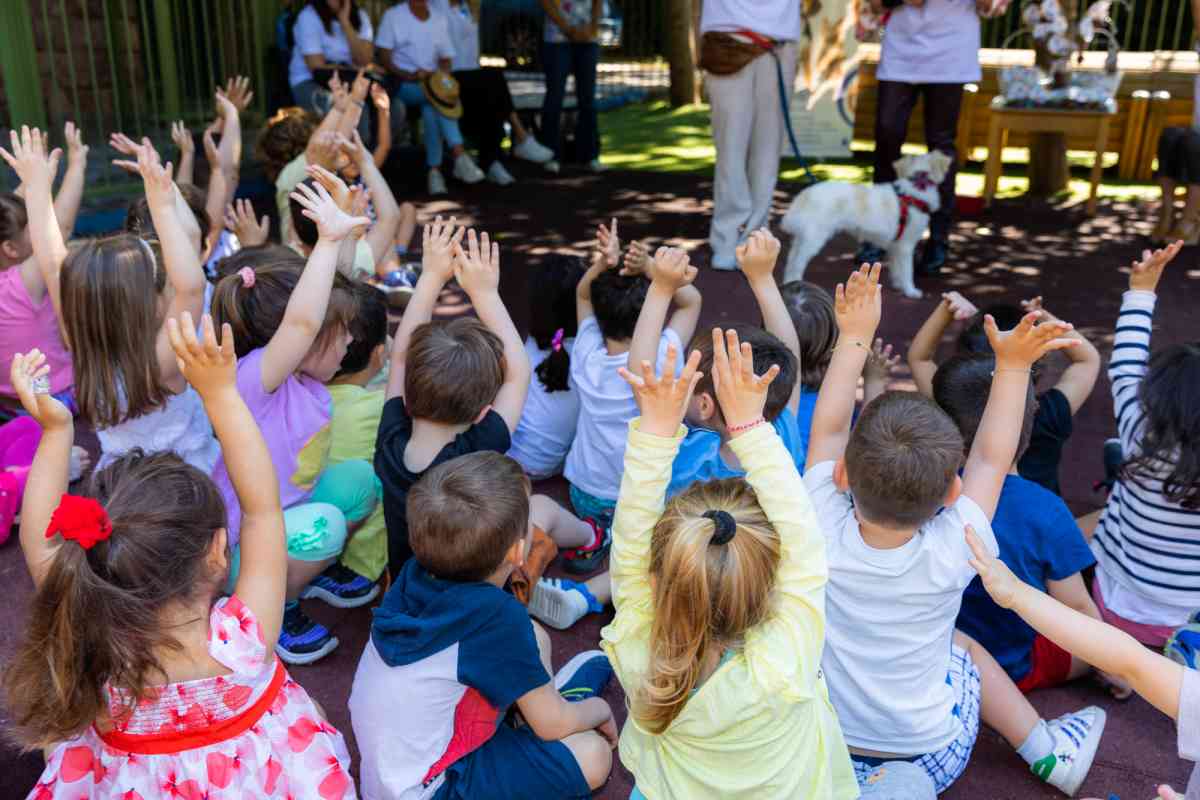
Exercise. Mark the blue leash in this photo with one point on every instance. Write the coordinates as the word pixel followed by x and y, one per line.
pixel 809 177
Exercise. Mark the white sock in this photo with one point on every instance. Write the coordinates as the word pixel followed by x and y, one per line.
pixel 1038 744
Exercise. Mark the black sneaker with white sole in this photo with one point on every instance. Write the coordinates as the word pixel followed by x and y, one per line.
pixel 341 587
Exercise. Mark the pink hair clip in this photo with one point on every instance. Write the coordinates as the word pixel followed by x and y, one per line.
pixel 247 275
pixel 557 342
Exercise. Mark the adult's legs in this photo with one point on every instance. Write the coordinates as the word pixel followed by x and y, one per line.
pixel 484 110
pixel 731 98
pixel 943 102
pixel 1171 151
pixel 556 63
pixel 584 61
pixel 895 104
pixel 766 137
pixel 1188 228
pixel 410 94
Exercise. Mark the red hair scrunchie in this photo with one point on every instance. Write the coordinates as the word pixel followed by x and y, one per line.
pixel 79 519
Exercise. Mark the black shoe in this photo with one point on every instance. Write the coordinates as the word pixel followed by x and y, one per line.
pixel 869 254
pixel 933 258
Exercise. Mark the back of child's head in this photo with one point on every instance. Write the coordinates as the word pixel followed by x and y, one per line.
pixel 552 316
pixel 139 222
pixel 97 620
pixel 973 339
pixel 811 310
pixel 112 291
pixel 617 301
pixel 1169 448
pixel 305 228
pixel 283 138
pixel 253 291
pixel 465 514
pixel 14 222
pixel 706 594
pixel 902 458
pixel 453 371
pixel 961 387
pixel 768 350
pixel 368 328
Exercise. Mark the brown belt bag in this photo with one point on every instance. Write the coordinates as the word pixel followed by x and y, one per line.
pixel 725 54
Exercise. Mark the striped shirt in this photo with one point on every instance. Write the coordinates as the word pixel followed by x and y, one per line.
pixel 1148 547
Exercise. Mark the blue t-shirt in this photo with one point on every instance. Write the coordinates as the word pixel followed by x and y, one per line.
pixel 804 418
pixel 1040 542
pixel 699 457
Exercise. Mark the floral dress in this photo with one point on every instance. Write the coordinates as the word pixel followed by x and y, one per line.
pixel 254 734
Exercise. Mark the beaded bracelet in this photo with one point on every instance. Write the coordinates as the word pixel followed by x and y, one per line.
pixel 854 342
pixel 747 426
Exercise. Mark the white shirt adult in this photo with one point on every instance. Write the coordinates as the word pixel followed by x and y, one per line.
pixel 312 39
pixel 464 33
pixel 937 42
pixel 775 19
pixel 416 45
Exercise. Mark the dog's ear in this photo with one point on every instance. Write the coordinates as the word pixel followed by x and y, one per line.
pixel 939 165
pixel 903 166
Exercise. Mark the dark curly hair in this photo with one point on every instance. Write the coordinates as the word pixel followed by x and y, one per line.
pixel 1169 449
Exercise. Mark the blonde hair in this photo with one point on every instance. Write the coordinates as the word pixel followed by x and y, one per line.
pixel 706 595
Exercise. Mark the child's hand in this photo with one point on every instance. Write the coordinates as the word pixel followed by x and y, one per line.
pixel 211 153
pixel 437 248
pixel 323 149
pixel 997 578
pixel 30 379
pixel 360 87
pixel 1146 273
pixel 237 90
pixel 960 308
pixel 29 158
pixel 756 256
pixel 858 304
pixel 226 108
pixel 609 244
pixel 879 363
pixel 360 200
pixel 336 187
pixel 333 224
pixel 210 367
pixel 671 269
pixel 663 401
pixel 1026 343
pixel 637 259
pixel 354 148
pixel 182 138
pixel 123 144
pixel 77 151
pixel 740 392
pixel 240 220
pixel 339 92
pixel 157 179
pixel 380 98
pixel 478 268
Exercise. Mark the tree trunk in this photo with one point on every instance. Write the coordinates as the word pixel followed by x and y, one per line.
pixel 681 54
pixel 1048 172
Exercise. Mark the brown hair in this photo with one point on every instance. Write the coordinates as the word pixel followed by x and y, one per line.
pixel 452 371
pixel 706 596
pixel 961 387
pixel 13 216
pixel 256 312
pixel 901 460
pixel 113 354
pixel 768 350
pixel 811 310
pixel 96 621
pixel 283 138
pixel 139 222
pixel 465 513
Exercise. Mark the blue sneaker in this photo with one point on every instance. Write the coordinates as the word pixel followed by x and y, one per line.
pixel 302 641
pixel 403 278
pixel 583 676
pixel 341 587
pixel 1184 645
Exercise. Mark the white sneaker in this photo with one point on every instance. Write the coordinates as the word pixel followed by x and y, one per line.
pixel 1076 738
pixel 552 166
pixel 532 150
pixel 555 604
pixel 498 175
pixel 437 184
pixel 466 171
pixel 595 166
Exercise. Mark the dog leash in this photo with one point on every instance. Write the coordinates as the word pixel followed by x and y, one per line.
pixel 769 46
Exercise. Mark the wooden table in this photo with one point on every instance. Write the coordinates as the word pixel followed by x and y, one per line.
pixel 1090 124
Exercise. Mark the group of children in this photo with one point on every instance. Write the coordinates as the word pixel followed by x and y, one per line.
pixel 813 597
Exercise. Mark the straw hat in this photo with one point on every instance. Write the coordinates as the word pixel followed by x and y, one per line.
pixel 442 92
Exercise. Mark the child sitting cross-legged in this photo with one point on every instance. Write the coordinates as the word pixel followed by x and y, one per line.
pixel 136 674
pixel 892 506
pixel 451 655
pixel 720 598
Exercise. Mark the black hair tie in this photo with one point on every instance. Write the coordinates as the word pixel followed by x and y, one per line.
pixel 725 525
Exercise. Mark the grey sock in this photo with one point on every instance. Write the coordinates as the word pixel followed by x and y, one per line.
pixel 1038 744
pixel 898 780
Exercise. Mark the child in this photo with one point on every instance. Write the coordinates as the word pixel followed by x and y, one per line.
pixel 609 308
pixel 451 654
pixel 290 323
pixel 720 604
pixel 811 310
pixel 904 682
pixel 1168 686
pixel 1056 407
pixel 29 310
pixel 1147 541
pixel 543 436
pixel 128 627
pixel 1037 535
pixel 19 439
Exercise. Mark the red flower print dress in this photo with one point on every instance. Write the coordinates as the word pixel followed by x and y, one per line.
pixel 252 735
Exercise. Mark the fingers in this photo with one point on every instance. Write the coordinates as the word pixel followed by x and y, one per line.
pixel 982 556
pixel 176 339
pixel 649 379
pixel 636 383
pixel 720 365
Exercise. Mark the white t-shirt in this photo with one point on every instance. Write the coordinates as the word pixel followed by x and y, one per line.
pixel 776 19
pixel 415 44
pixel 936 43
pixel 464 33
pixel 547 426
pixel 606 405
pixel 312 39
pixel 889 621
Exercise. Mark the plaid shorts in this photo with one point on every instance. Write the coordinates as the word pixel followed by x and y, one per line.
pixel 947 764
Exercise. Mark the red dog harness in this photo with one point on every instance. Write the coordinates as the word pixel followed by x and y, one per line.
pixel 908 201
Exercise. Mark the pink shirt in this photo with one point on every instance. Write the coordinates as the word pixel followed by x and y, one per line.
pixel 25 325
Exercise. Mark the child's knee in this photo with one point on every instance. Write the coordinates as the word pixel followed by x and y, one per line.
pixel 315 531
pixel 541 511
pixel 351 486
pixel 594 756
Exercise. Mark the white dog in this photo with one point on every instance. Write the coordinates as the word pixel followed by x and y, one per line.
pixel 893 216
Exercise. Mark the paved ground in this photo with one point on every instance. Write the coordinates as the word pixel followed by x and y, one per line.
pixel 1016 251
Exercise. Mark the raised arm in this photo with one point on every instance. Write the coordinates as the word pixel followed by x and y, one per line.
pixel 182 137
pixel 877 370
pixel 670 274
pixel 70 191
pixel 858 306
pixel 478 272
pixel 356 101
pixel 383 124
pixel 923 350
pixel 35 168
pixel 211 368
pixel 583 291
pixel 756 259
pixel 1079 378
pixel 381 236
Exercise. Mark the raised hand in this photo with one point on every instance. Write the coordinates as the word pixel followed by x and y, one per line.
pixel 182 138
pixel 123 144
pixel 323 149
pixel 211 152
pixel 380 98
pixel 477 268
pixel 756 256
pixel 960 308
pixel 77 151
pixel 226 108
pixel 858 304
pixel 671 268
pixel 338 90
pixel 361 85
pixel 30 379
pixel 29 159
pixel 740 393
pixel 1145 274
pixel 240 220
pixel 609 243
pixel 353 147
pixel 333 224
pixel 158 179
pixel 437 243
pixel 237 90
pixel 210 367
pixel 1029 341
pixel 333 184
pixel 663 401
pixel 637 259
pixel 880 362
pixel 999 581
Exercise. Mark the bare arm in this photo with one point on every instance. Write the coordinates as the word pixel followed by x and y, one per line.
pixel 552 718
pixel 671 275
pixel 583 292
pixel 70 191
pixel 1078 380
pixel 923 350
pixel 182 137
pixel 383 124
pixel 382 234
pixel 35 168
pixel 756 259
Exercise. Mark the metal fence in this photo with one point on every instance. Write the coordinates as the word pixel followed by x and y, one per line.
pixel 1145 25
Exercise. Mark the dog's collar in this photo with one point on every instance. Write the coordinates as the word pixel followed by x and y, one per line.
pixel 922 181
pixel 909 201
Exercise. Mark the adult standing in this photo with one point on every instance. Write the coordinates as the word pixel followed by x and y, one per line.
pixel 744 43
pixel 328 34
pixel 569 47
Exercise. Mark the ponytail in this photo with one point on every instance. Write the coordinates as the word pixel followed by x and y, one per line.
pixel 552 316
pixel 555 369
